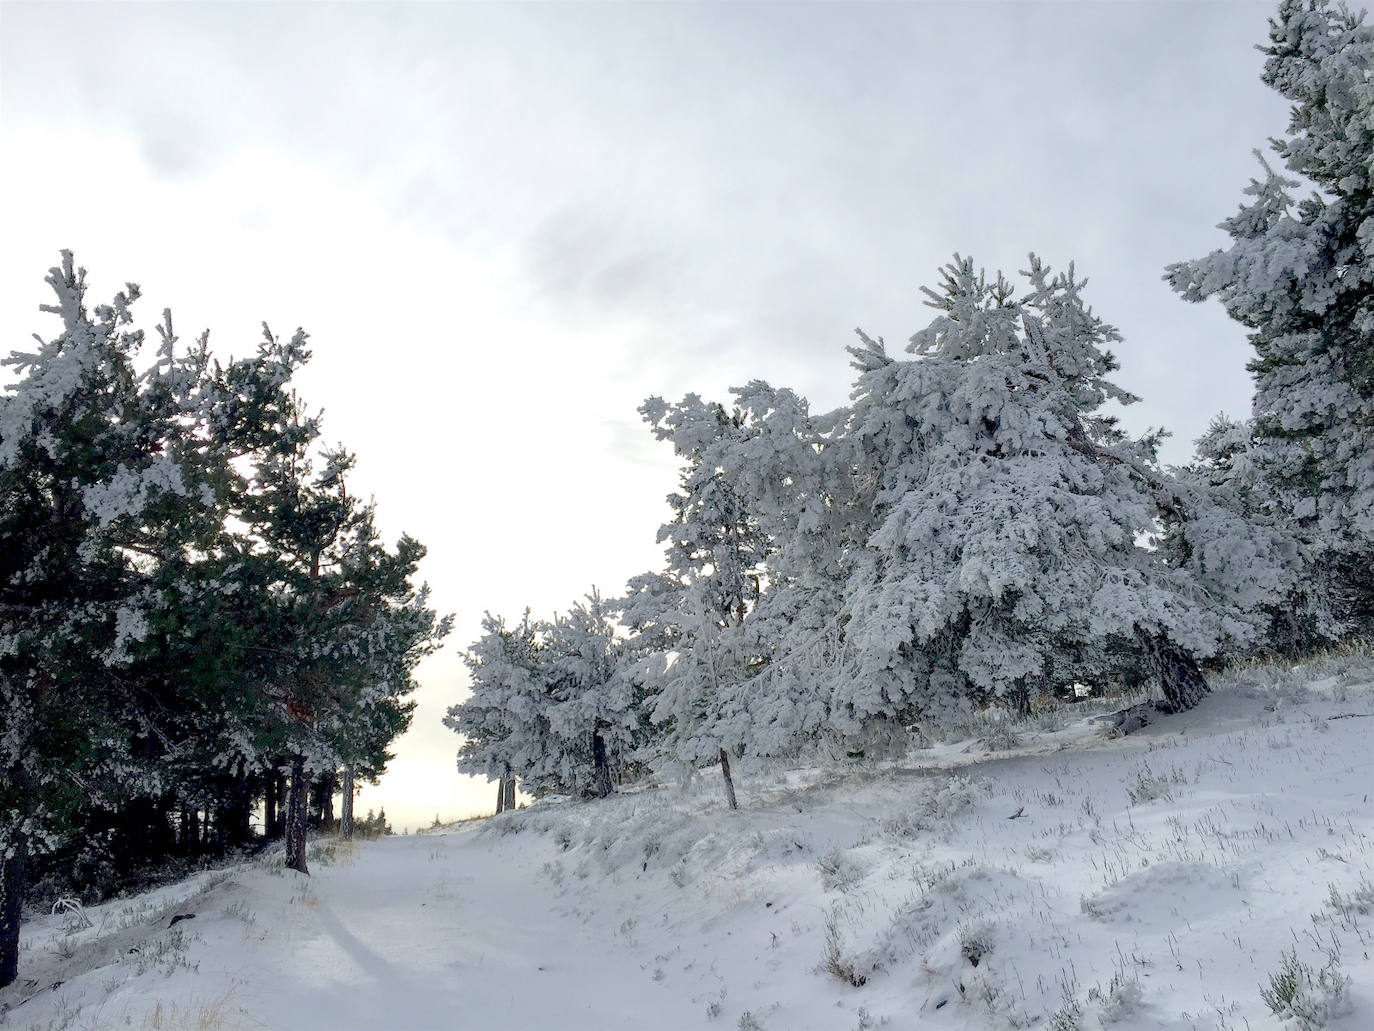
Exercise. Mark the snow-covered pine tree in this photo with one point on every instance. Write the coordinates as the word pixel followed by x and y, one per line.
pixel 1299 274
pixel 503 722
pixel 298 514
pixel 596 700
pixel 798 471
pixel 211 634
pixel 1265 560
pixel 1010 507
pixel 377 625
pixel 348 624
pixel 716 553
pixel 98 491
pixel 550 704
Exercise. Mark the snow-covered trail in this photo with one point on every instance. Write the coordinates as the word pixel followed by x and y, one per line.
pixel 437 931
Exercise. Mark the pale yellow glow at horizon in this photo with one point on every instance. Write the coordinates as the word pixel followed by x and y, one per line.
pixel 416 347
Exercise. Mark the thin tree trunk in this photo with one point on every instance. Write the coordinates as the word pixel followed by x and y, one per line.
pixel 510 789
pixel 238 822
pixel 729 781
pixel 1178 672
pixel 283 793
pixel 1021 697
pixel 500 796
pixel 296 813
pixel 327 809
pixel 346 804
pixel 12 870
pixel 602 764
pixel 242 826
pixel 269 806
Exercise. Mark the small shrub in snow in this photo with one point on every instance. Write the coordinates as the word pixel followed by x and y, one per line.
pixel 975 941
pixel 956 795
pixel 238 910
pixel 835 961
pixel 164 954
pixel 839 871
pixel 172 1016
pixel 1068 1017
pixel 327 853
pixel 63 1019
pixel 64 947
pixel 74 916
pixel 1294 994
pixel 1002 738
pixel 748 1022
pixel 1360 900
pixel 1122 998
pixel 554 872
pixel 1151 788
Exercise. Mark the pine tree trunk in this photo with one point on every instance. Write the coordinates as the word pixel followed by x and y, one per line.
pixel 510 791
pixel 1021 697
pixel 1178 672
pixel 239 823
pixel 269 806
pixel 729 780
pixel 346 804
pixel 327 809
pixel 12 870
pixel 283 792
pixel 232 822
pixel 500 796
pixel 602 763
pixel 296 816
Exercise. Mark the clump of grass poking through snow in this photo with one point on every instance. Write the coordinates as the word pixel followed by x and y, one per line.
pixel 839 871
pixel 1294 994
pixel 1002 738
pixel 163 954
pixel 1151 788
pixel 1121 998
pixel 835 961
pixel 1360 900
pixel 956 795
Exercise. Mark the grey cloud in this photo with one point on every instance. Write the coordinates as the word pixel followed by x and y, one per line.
pixel 599 264
pixel 750 181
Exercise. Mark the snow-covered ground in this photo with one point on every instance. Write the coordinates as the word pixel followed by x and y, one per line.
pixel 1066 881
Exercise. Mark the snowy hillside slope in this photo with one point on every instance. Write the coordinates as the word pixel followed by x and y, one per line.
pixel 1071 881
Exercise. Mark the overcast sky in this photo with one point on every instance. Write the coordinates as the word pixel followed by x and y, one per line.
pixel 505 225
